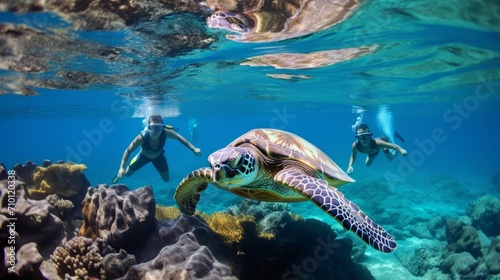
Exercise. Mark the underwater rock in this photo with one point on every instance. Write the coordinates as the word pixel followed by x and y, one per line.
pixel 3 172
pixel 168 232
pixel 436 227
pixel 256 209
pixel 492 258
pixel 462 238
pixel 485 214
pixel 421 260
pixel 117 214
pixel 27 263
pixel 81 257
pixel 274 222
pixel 419 230
pixel 302 248
pixel 117 264
pixel 185 259
pixel 64 179
pixel 459 264
pixel 36 219
pixel 25 172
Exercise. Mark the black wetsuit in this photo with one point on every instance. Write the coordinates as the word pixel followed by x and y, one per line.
pixel 160 162
pixel 374 149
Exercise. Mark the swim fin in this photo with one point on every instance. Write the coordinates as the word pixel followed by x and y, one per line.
pixel 115 180
pixel 397 135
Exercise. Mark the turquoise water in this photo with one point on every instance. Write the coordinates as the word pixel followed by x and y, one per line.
pixel 433 72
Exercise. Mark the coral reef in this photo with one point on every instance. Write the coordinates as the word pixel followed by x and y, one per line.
pixel 462 238
pixel 228 226
pixel 274 222
pixel 36 219
pixel 25 172
pixel 426 257
pixel 186 259
pixel 63 179
pixel 166 212
pixel 63 206
pixel 492 258
pixel 117 214
pixel 117 264
pixel 81 257
pixel 460 264
pixel 485 214
pixel 26 263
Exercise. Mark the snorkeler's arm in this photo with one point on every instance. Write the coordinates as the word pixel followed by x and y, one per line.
pixel 133 145
pixel 383 144
pixel 352 158
pixel 174 135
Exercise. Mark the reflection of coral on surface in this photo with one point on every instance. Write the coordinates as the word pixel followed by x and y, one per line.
pixel 63 179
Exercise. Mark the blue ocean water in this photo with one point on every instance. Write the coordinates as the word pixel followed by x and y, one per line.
pixel 433 72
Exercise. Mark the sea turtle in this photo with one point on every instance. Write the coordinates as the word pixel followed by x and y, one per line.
pixel 275 20
pixel 275 165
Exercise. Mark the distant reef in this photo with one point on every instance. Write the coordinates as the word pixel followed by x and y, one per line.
pixel 64 228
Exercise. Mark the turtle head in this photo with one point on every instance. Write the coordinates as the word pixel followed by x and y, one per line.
pixel 229 21
pixel 233 166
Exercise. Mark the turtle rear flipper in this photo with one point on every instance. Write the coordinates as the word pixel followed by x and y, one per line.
pixel 335 204
pixel 189 189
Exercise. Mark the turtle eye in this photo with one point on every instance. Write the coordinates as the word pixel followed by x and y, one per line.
pixel 236 162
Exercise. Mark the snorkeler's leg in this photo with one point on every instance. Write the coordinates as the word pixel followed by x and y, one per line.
pixel 397 135
pixel 135 164
pixel 390 153
pixel 160 163
pixel 369 160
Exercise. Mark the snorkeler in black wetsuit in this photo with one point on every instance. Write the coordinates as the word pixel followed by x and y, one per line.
pixel 367 145
pixel 151 142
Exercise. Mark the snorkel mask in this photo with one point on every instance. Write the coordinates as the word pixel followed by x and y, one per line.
pixel 364 135
pixel 156 129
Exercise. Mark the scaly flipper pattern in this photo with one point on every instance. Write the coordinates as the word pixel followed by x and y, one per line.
pixel 335 204
pixel 189 189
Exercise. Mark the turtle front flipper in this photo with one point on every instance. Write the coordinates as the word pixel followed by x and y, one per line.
pixel 334 203
pixel 189 189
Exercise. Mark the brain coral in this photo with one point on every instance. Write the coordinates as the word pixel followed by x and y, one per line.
pixel 186 259
pixel 117 214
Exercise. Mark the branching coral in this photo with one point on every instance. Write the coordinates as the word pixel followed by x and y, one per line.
pixel 81 257
pixel 166 212
pixel 63 179
pixel 63 206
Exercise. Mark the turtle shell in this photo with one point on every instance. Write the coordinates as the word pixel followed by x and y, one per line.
pixel 281 145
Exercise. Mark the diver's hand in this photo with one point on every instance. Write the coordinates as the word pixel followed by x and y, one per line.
pixel 197 151
pixel 350 169
pixel 403 152
pixel 120 173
